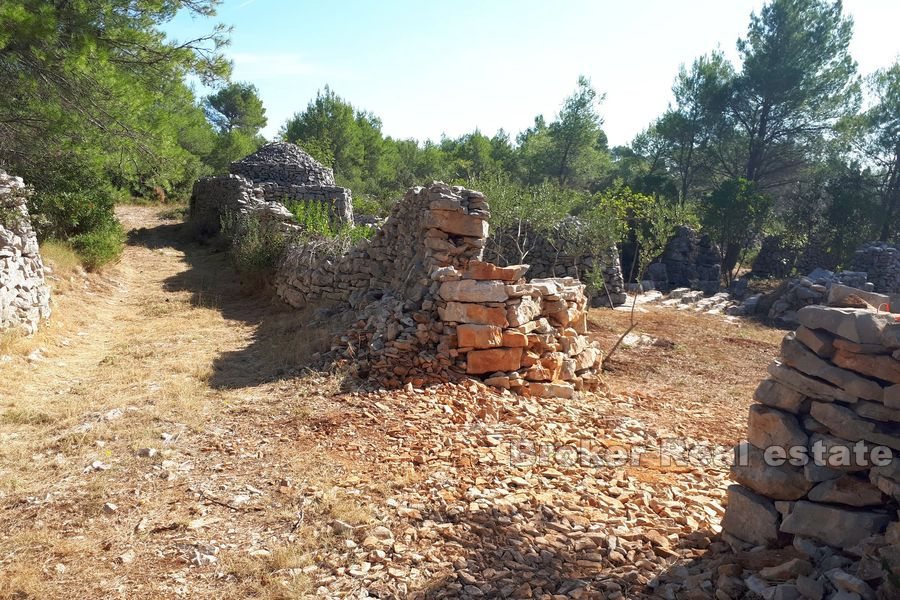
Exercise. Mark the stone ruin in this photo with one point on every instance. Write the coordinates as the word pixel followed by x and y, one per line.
pixel 271 178
pixel 831 408
pixel 24 295
pixel 424 307
pixel 689 260
pixel 549 256
pixel 419 302
pixel 881 262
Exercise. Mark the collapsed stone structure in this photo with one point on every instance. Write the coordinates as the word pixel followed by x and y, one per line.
pixel 881 262
pixel 689 260
pixel 549 256
pixel 24 295
pixel 425 308
pixel 819 469
pixel 276 175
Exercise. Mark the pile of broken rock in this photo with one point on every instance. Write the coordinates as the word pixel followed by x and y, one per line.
pixel 519 335
pixel 818 474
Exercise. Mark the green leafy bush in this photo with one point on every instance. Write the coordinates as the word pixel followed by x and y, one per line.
pixel 99 246
pixel 255 248
pixel 315 219
pixel 62 215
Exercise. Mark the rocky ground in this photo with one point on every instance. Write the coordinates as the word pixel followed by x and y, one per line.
pixel 163 443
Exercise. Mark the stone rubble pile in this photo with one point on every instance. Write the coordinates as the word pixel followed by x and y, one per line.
pixel 818 472
pixel 689 260
pixel 697 301
pixel 278 174
pixel 24 295
pixel 550 256
pixel 782 304
pixel 426 309
pixel 504 510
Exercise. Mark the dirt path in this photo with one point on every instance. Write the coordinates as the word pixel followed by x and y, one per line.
pixel 167 444
pixel 151 391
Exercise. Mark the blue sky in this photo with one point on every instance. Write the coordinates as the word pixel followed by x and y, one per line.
pixel 432 67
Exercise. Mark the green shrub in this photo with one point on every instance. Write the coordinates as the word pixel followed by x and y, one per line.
pixel 99 246
pixel 255 248
pixel 364 204
pixel 62 215
pixel 315 219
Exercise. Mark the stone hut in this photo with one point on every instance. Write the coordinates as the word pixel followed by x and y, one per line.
pixel 278 173
pixel 24 295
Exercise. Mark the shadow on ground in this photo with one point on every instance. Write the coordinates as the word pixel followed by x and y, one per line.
pixel 284 340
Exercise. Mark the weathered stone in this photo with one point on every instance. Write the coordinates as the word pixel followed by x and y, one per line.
pixel 849 490
pixel 477 269
pixel 769 427
pixel 819 341
pixel 514 339
pixel 527 309
pixel 840 455
pixel 499 381
pixel 848 346
pixel 457 223
pixel 834 526
pixel 892 396
pixel 810 588
pixel 488 361
pixel 777 395
pixel 787 570
pixel 751 517
pixel 808 386
pixel 552 390
pixel 877 411
pixel 872 365
pixel 798 356
pixel 845 423
pixel 855 324
pixel 783 482
pixel 463 312
pixel 470 290
pixel 479 336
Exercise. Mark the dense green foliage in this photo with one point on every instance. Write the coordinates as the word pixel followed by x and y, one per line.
pixel 96 109
pixel 782 142
pixel 776 144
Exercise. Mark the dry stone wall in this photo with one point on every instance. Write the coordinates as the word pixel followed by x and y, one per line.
pixel 819 469
pixel 881 262
pixel 24 295
pixel 277 174
pixel 427 309
pixel 689 260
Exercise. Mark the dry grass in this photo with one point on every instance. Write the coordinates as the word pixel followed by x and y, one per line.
pixel 167 351
pixel 164 351
pixel 698 379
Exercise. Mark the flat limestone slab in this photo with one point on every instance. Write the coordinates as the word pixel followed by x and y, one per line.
pixel 858 325
pixel 838 527
pixel 803 359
